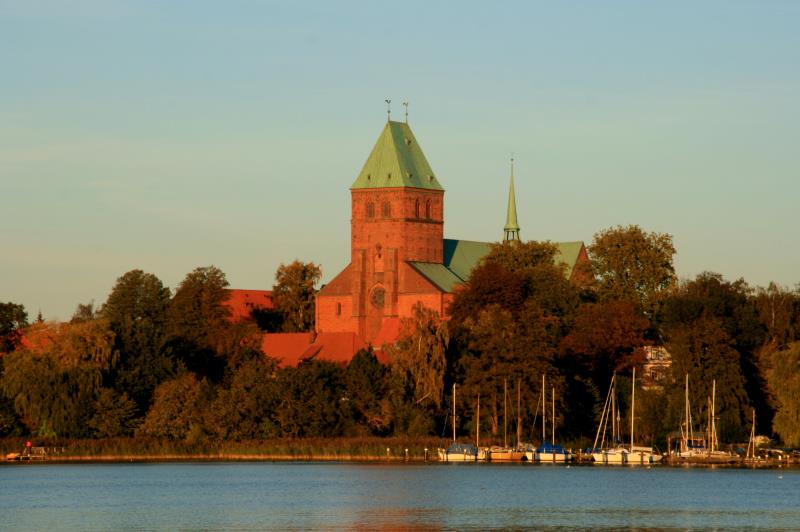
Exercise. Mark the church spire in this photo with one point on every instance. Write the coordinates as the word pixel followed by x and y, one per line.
pixel 512 227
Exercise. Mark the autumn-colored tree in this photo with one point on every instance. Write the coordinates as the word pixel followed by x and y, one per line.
pixel 293 294
pixel 114 414
pixel 779 311
pixel 177 409
pixel 632 264
pixel 84 312
pixel 607 337
pixel 519 256
pixel 13 319
pixel 784 382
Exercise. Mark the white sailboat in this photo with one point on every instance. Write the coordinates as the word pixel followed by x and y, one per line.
pixel 551 452
pixel 457 452
pixel 639 454
pixel 613 453
pixel 698 448
pixel 505 453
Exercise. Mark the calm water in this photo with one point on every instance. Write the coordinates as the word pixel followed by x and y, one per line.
pixel 243 496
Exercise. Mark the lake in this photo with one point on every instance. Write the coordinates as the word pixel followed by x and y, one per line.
pixel 309 495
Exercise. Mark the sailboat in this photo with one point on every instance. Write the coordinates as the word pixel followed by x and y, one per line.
pixel 639 454
pixel 698 448
pixel 614 453
pixel 551 452
pixel 505 453
pixel 457 452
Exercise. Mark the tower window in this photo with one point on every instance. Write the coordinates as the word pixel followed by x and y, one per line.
pixel 428 209
pixel 338 309
pixel 416 209
pixel 370 210
pixel 386 209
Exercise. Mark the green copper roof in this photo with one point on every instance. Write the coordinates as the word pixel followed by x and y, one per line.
pixel 396 161
pixel 511 213
pixel 461 257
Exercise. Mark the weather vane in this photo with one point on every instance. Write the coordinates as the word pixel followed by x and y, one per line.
pixel 388 109
pixel 405 104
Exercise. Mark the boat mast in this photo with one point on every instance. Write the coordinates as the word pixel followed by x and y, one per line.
pixel 454 412
pixel 713 414
pixel 601 427
pixel 543 410
pixel 751 454
pixel 633 403
pixel 519 414
pixel 554 415
pixel 478 423
pixel 505 411
pixel 613 415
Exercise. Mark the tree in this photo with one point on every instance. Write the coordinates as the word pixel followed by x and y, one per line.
pixel 243 410
pixel 516 256
pixel 633 264
pixel 177 409
pixel 779 311
pixel 784 382
pixel 310 401
pixel 198 321
pixel 293 294
pixel 55 380
pixel 84 312
pixel 607 337
pixel 13 319
pixel 114 414
pixel 366 385
pixel 420 353
pixel 197 312
pixel 136 310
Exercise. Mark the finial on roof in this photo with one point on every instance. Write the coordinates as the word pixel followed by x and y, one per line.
pixel 405 104
pixel 388 109
pixel 512 227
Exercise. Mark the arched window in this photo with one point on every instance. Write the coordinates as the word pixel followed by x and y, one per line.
pixel 386 209
pixel 370 210
pixel 338 309
pixel 428 209
pixel 416 209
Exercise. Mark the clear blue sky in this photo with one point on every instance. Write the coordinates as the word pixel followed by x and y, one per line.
pixel 170 135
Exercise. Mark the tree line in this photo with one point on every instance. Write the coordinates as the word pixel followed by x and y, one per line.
pixel 151 363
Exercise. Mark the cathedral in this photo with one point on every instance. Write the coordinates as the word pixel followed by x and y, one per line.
pixel 398 256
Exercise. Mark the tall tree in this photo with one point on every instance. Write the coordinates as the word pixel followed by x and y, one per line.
pixel 293 294
pixel 177 409
pixel 136 310
pixel 13 319
pixel 631 263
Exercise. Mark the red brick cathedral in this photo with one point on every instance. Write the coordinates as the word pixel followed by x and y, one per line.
pixel 398 255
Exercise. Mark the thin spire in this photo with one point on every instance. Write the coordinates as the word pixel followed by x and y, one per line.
pixel 388 110
pixel 405 104
pixel 512 227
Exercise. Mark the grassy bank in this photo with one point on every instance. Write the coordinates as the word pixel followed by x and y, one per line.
pixel 127 449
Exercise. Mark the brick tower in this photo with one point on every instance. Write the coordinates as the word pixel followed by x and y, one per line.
pixel 397 217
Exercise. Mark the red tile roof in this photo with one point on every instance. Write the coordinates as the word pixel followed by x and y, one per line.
pixel 242 302
pixel 291 348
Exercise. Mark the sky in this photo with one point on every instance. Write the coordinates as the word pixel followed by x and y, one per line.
pixel 167 136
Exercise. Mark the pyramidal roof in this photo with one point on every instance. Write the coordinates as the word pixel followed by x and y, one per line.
pixel 396 161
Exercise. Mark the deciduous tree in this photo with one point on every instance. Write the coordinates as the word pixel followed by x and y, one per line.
pixel 293 294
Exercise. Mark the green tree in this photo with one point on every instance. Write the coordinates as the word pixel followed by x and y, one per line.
pixel 198 321
pixel 779 310
pixel 784 382
pixel 366 385
pixel 293 294
pixel 13 319
pixel 136 310
pixel 632 264
pixel 55 380
pixel 84 312
pixel 310 402
pixel 114 414
pixel 243 409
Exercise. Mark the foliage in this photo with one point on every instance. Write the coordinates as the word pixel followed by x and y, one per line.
pixel 310 400
pixel 632 264
pixel 366 386
pixel 114 414
pixel 197 313
pixel 13 319
pixel 419 354
pixel 177 409
pixel 293 294
pixel 784 381
pixel 84 312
